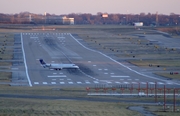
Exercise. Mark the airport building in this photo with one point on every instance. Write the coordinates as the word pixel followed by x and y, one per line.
pixel 138 24
pixel 59 20
pixel 67 21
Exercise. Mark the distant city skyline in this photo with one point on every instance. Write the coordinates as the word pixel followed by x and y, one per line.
pixel 90 6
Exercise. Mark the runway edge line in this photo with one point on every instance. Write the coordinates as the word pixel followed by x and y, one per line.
pixel 24 56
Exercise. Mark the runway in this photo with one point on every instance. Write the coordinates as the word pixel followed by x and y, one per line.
pixel 94 67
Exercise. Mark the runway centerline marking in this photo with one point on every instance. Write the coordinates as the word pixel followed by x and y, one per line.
pixel 70 82
pixel 119 76
pixel 45 83
pixel 53 82
pixel 62 82
pixel 36 83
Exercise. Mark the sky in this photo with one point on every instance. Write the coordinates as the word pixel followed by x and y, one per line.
pixel 59 7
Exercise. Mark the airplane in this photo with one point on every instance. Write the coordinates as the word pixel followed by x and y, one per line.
pixel 58 66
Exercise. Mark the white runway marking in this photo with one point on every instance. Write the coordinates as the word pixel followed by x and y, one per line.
pixel 14 68
pixel 24 57
pixel 87 82
pixel 45 83
pixel 57 76
pixel 105 69
pixel 134 82
pixel 62 82
pixel 105 73
pixel 160 83
pixel 36 83
pixel 89 61
pixel 117 82
pixel 60 73
pixel 94 65
pixel 53 83
pixel 54 73
pixel 126 82
pixel 60 37
pixel 109 82
pixel 151 83
pixel 79 82
pixel 95 81
pixel 120 76
pixel 33 37
pixel 68 79
pixel 112 73
pixel 143 82
pixel 99 69
pixel 70 82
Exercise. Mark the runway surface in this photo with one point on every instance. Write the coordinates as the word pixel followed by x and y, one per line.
pixel 95 67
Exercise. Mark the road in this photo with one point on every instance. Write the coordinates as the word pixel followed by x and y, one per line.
pixel 95 67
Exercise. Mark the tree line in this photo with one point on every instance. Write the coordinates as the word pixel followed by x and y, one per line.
pixel 87 18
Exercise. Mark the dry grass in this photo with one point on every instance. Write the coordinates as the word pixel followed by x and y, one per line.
pixel 168 75
pixel 161 63
pixel 171 30
pixel 5 76
pixel 61 107
pixel 55 106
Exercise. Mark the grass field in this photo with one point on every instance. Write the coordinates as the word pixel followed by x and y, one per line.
pixel 62 108
pixel 6 53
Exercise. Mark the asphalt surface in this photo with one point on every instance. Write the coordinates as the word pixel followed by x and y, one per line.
pixel 96 68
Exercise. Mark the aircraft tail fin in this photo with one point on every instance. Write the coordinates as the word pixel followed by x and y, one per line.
pixel 42 63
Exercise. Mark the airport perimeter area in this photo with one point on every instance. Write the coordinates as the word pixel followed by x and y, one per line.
pixel 111 60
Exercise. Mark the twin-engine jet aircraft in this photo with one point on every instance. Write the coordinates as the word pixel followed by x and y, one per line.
pixel 58 66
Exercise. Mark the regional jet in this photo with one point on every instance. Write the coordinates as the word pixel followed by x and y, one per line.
pixel 58 66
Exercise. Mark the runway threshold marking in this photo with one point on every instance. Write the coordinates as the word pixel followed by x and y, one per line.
pixel 96 82
pixel 60 37
pixel 33 37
